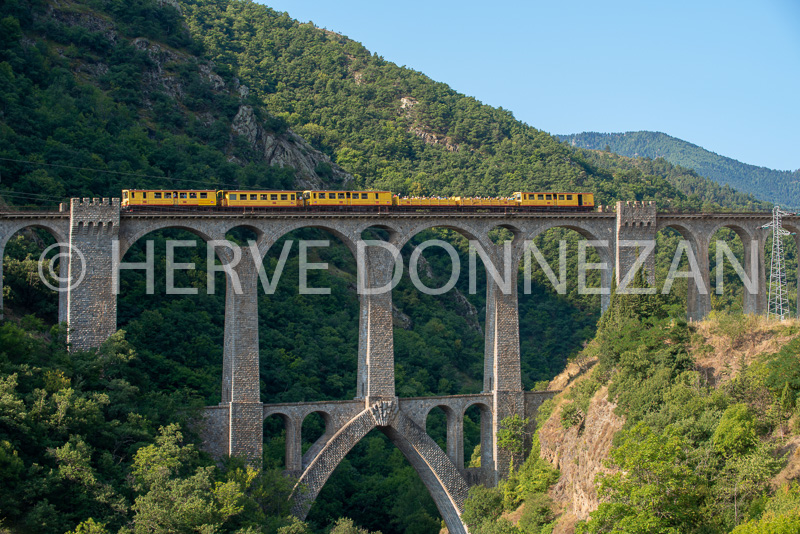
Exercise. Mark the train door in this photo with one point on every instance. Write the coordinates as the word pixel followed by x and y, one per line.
pixel 580 200
pixel 175 198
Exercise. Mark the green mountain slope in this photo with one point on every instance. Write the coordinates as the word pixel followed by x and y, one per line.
pixel 780 187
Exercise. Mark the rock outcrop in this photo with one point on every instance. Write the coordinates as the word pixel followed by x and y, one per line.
pixel 313 169
pixel 288 150
pixel 578 452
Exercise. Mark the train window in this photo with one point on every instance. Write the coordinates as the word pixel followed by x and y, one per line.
pixel 125 194
pixel 284 197
pixel 347 195
pixel 321 195
pixel 183 195
pixel 341 195
pixel 560 197
pixel 376 196
pixel 364 196
pixel 156 195
pixel 232 196
pixel 144 194
pixel 273 197
pixel 541 197
pixel 253 197
pixel 167 195
pixel 569 197
pixel 203 195
pixel 292 196
pixel 192 195
pixel 263 197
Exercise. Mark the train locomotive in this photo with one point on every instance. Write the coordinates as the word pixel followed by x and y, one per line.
pixel 368 201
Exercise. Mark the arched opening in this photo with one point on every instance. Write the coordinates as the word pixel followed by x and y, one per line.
pixel 308 318
pixel 24 291
pixel 727 286
pixel 275 435
pixel 674 274
pixel 559 301
pixel 377 232
pixel 439 309
pixel 314 427
pixel 377 487
pixel 177 324
pixel 478 436
pixel 436 426
pixel 440 426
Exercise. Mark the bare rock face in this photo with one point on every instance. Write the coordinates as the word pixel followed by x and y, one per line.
pixel 156 77
pixel 313 169
pixel 579 454
pixel 467 310
pixel 288 150
pixel 89 21
pixel 407 105
pixel 400 319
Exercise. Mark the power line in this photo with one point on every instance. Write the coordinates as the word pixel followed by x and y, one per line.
pixel 107 171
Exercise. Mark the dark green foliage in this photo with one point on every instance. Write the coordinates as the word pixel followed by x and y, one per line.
pixel 538 513
pixel 656 490
pixel 483 505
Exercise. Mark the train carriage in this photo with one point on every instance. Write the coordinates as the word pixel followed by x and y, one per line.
pixel 165 198
pixel 261 199
pixel 555 201
pixel 344 199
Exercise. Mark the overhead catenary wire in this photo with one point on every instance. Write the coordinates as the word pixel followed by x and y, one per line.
pixel 120 173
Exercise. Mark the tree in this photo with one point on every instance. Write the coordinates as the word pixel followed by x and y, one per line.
pixel 654 491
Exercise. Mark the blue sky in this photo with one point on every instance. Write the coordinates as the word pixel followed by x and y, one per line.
pixel 721 74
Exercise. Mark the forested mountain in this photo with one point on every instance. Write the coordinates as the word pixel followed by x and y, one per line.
pixel 99 95
pixel 779 187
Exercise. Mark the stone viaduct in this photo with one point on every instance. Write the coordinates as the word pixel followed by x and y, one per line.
pixel 90 231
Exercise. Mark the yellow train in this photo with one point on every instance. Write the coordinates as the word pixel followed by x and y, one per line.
pixel 384 201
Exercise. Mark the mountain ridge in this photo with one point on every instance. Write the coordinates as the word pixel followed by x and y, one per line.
pixel 776 186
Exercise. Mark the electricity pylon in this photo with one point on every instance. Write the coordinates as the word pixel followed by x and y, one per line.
pixel 778 292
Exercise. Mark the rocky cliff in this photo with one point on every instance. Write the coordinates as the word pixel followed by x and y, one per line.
pixel 166 74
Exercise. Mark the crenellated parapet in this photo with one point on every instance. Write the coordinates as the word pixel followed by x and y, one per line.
pixel 95 216
pixel 635 239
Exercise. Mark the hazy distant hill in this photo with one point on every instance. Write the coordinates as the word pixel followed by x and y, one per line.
pixel 780 187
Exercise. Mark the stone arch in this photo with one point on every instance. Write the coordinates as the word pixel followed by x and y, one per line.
pixel 589 232
pixel 321 467
pixel 440 476
pixel 326 421
pixel 289 427
pixel 753 251
pixel 133 231
pixel 479 326
pixel 270 234
pixel 453 438
pixel 698 304
pixel 487 426
pixel 59 232
pixel 391 229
